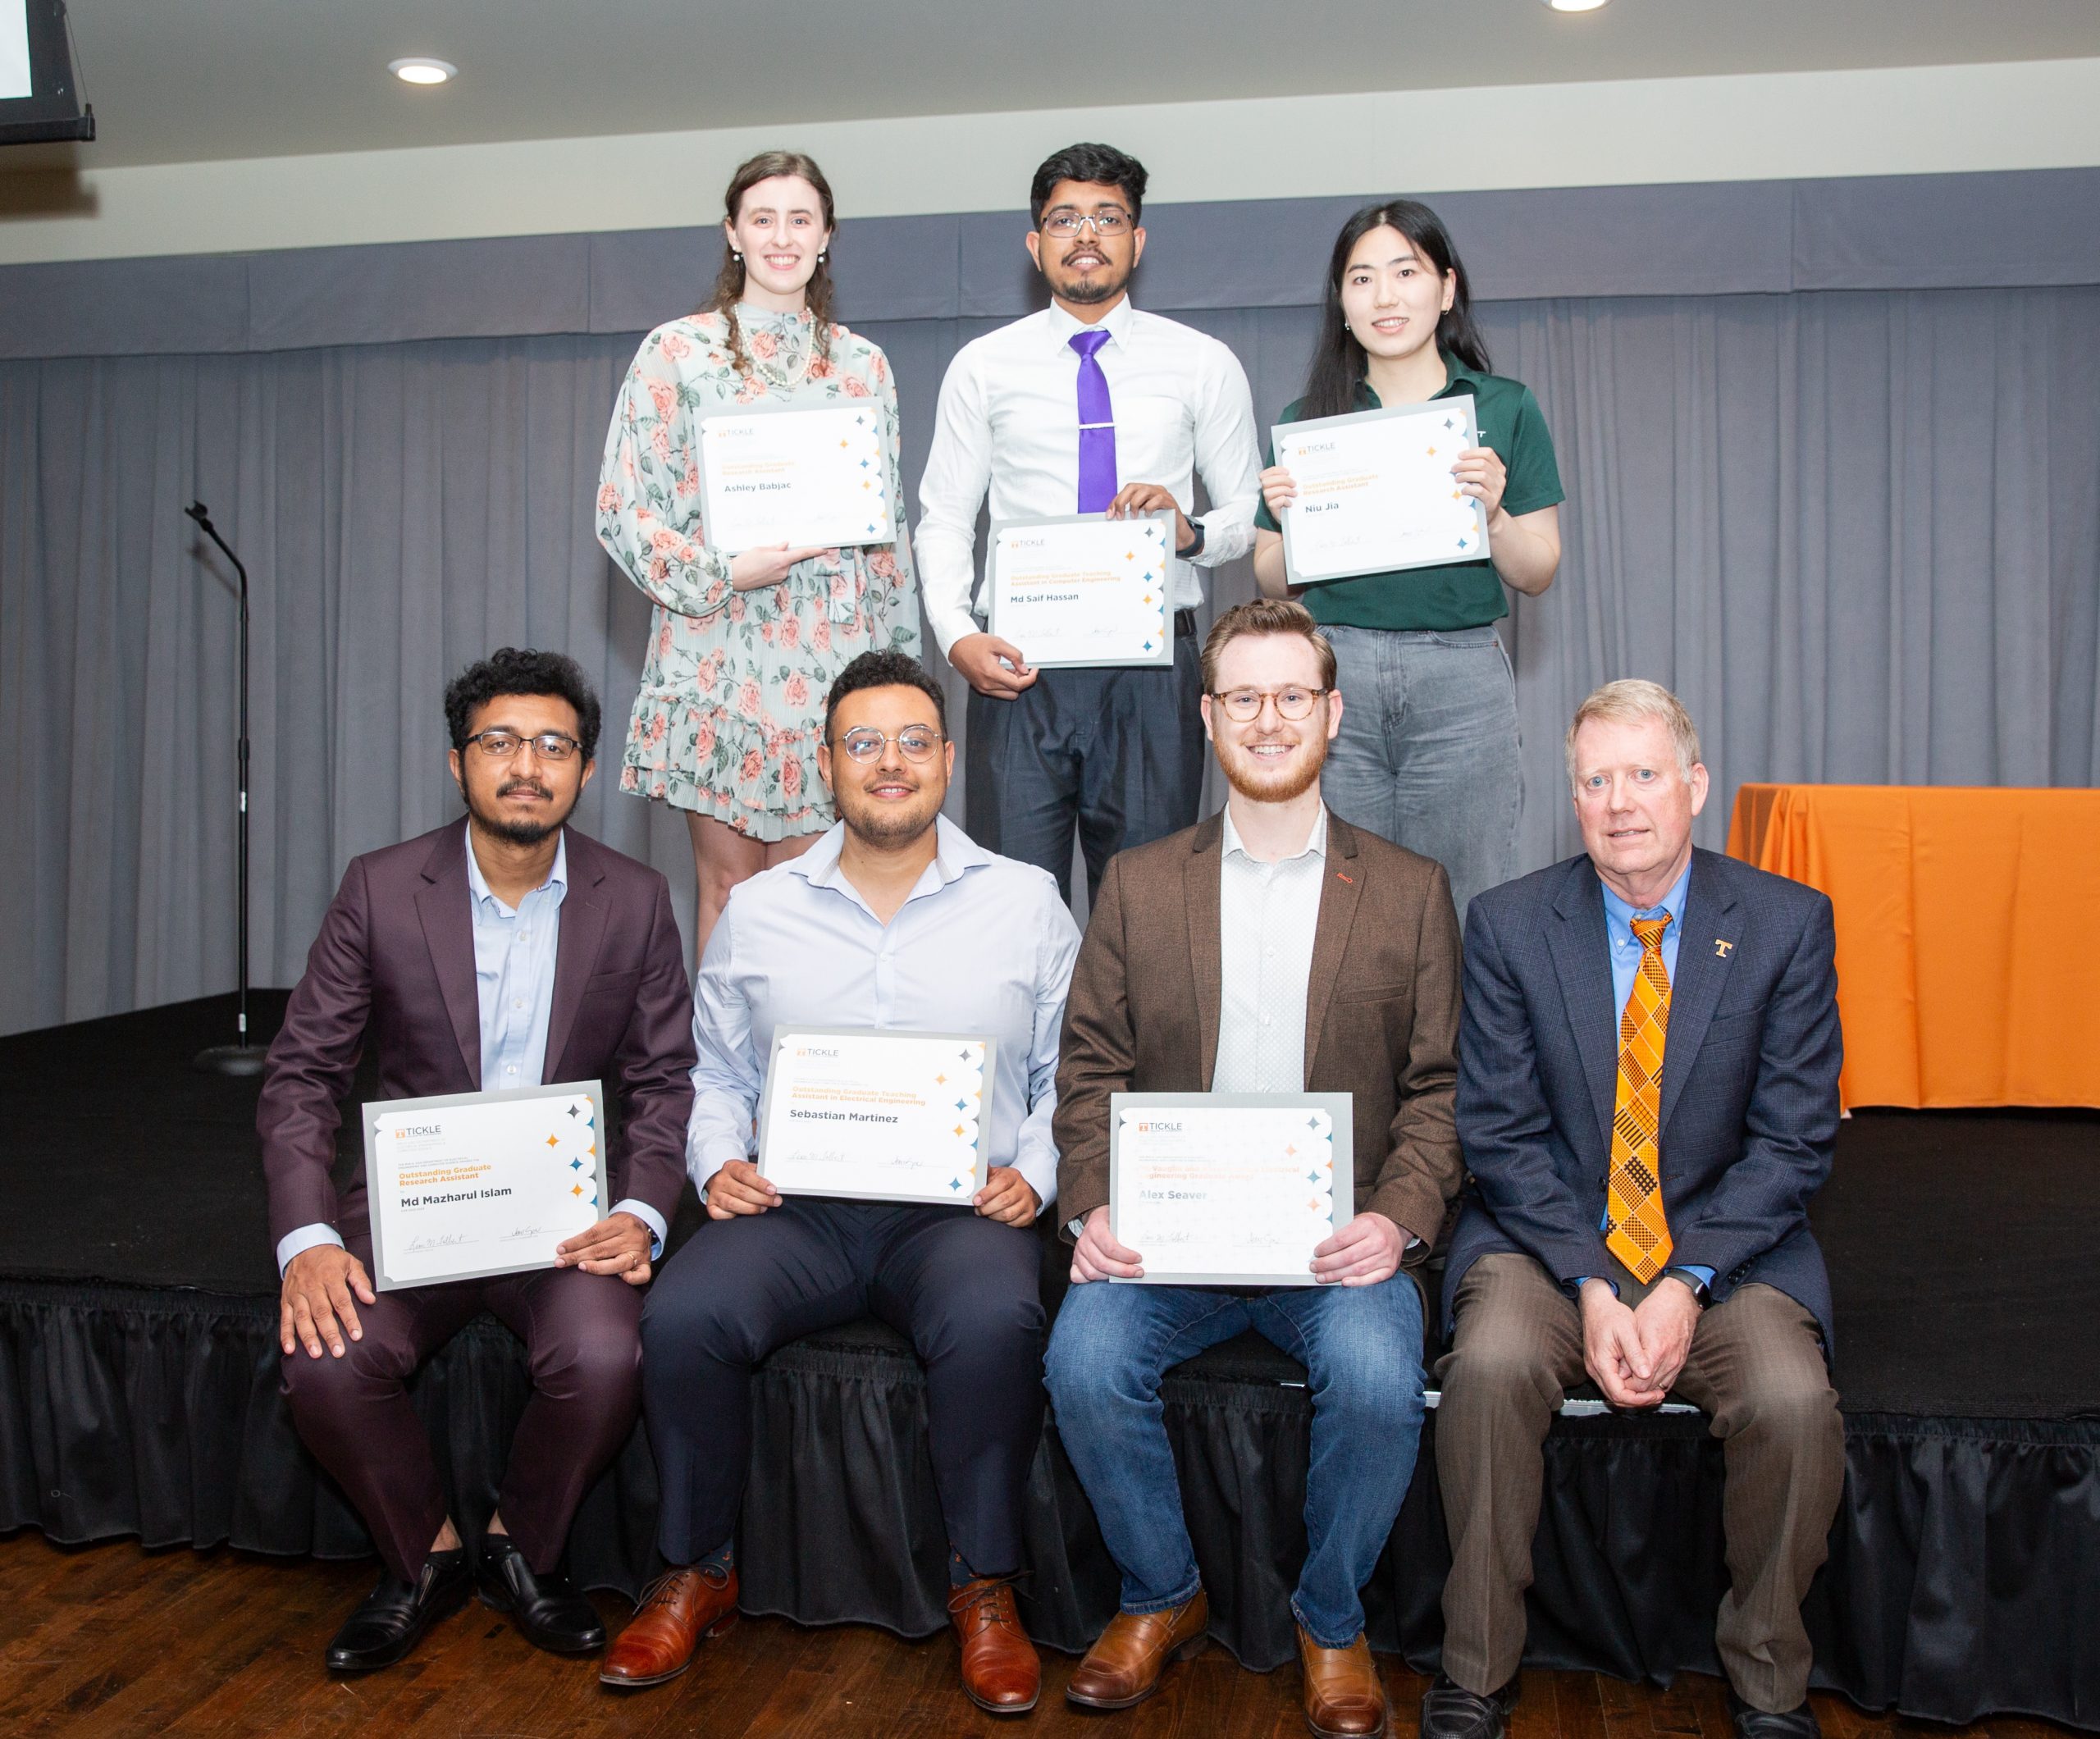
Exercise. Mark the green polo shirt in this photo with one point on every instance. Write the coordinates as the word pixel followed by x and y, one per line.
pixel 1450 595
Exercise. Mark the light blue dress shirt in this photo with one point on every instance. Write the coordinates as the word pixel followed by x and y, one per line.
pixel 984 944
pixel 1626 967
pixel 514 954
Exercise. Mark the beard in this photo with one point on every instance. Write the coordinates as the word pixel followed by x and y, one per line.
pixel 517 830
pixel 889 827
pixel 1278 785
pixel 1087 290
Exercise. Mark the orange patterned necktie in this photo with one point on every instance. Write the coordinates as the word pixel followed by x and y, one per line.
pixel 1635 1230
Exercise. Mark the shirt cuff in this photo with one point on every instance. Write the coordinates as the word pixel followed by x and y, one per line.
pixel 306 1238
pixel 1584 1280
pixel 1040 1171
pixel 649 1217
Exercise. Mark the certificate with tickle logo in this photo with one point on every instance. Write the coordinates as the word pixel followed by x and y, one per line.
pixel 1229 1188
pixel 879 1117
pixel 809 478
pixel 1082 589
pixel 1376 492
pixel 469 1184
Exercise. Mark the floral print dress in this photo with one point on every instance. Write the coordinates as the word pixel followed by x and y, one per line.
pixel 731 708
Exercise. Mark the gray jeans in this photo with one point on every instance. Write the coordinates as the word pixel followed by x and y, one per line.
pixel 1428 753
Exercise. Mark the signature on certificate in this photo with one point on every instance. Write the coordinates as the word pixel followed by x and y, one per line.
pixel 436 1241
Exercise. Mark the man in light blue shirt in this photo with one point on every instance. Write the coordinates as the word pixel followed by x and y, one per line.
pixel 895 919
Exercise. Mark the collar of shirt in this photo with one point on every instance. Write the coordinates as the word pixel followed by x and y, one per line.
pixel 1116 322
pixel 1619 916
pixel 1460 380
pixel 557 877
pixel 1316 841
pixel 955 855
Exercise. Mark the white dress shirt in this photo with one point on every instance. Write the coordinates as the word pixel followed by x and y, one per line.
pixel 1009 423
pixel 1267 914
pixel 983 945
pixel 514 953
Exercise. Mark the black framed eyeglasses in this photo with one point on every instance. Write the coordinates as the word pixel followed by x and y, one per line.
pixel 1244 705
pixel 550 746
pixel 915 743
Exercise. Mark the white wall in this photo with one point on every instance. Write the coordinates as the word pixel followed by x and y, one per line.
pixel 2021 114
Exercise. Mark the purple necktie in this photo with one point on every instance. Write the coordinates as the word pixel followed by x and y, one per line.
pixel 1097 426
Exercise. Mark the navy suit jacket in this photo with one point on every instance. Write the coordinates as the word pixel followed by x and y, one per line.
pixel 1749 1100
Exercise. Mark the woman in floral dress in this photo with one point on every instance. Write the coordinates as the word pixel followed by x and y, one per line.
pixel 742 648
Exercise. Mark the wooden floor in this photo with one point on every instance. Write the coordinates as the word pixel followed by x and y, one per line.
pixel 112 1639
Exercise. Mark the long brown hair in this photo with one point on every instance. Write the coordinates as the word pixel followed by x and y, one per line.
pixel 729 281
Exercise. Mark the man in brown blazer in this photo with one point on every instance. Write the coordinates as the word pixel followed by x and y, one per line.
pixel 505 951
pixel 1273 948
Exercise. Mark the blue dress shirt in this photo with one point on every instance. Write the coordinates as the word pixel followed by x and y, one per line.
pixel 1626 967
pixel 514 953
pixel 983 944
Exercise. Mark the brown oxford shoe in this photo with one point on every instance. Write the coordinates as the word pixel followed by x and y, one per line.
pixel 1124 1665
pixel 1343 1697
pixel 677 1610
pixel 1001 1672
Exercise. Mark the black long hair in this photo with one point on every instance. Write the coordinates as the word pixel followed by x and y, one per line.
pixel 1338 361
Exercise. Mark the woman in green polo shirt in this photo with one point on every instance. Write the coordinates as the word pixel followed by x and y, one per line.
pixel 1427 751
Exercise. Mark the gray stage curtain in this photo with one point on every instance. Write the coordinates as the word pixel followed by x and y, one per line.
pixel 1858 531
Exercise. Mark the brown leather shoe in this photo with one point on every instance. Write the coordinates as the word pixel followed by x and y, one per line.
pixel 1124 1663
pixel 677 1610
pixel 1001 1673
pixel 1343 1697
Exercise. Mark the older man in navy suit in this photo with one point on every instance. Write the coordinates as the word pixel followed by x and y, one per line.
pixel 1647 1096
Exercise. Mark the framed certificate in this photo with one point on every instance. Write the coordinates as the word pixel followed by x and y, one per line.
pixel 879 1116
pixel 1229 1188
pixel 1376 492
pixel 473 1184
pixel 1083 589
pixel 774 474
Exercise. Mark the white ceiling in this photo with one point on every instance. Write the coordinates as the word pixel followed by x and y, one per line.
pixel 176 80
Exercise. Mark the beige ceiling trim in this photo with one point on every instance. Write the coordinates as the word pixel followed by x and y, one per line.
pixel 2019 115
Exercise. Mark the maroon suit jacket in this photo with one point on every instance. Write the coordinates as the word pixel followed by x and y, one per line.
pixel 394 966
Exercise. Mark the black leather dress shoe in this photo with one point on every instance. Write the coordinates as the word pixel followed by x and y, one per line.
pixel 1758 1723
pixel 546 1609
pixel 396 1614
pixel 1451 1711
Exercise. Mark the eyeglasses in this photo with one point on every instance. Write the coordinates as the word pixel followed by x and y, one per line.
pixel 1244 705
pixel 550 746
pixel 1066 224
pixel 915 743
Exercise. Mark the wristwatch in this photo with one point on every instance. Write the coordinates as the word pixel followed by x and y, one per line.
pixel 1700 1289
pixel 1191 551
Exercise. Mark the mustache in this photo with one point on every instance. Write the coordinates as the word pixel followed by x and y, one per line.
pixel 533 785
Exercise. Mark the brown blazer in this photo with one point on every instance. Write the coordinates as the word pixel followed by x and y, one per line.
pixel 394 968
pixel 1381 1016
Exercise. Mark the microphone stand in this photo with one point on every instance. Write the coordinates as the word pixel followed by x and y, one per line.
pixel 240 1057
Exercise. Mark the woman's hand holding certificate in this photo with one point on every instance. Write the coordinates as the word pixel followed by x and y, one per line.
pixel 1377 491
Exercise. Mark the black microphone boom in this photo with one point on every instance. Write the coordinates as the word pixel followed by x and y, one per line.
pixel 239 1058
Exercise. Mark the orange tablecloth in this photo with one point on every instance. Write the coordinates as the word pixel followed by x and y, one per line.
pixel 1968 933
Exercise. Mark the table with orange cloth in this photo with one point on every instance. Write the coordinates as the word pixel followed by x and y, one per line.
pixel 1968 933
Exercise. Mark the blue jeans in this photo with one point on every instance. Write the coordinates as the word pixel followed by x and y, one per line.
pixel 1362 1349
pixel 1427 755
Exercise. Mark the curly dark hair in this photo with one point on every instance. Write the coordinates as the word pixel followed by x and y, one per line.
pixel 885 669
pixel 1103 164
pixel 520 670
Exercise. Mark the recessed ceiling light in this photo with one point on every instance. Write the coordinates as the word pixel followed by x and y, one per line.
pixel 417 70
pixel 1574 6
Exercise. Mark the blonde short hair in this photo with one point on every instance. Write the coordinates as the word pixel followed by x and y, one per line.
pixel 1627 701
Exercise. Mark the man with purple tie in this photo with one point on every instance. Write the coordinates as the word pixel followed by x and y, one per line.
pixel 1089 406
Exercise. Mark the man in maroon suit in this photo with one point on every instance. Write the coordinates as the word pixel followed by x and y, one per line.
pixel 506 950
